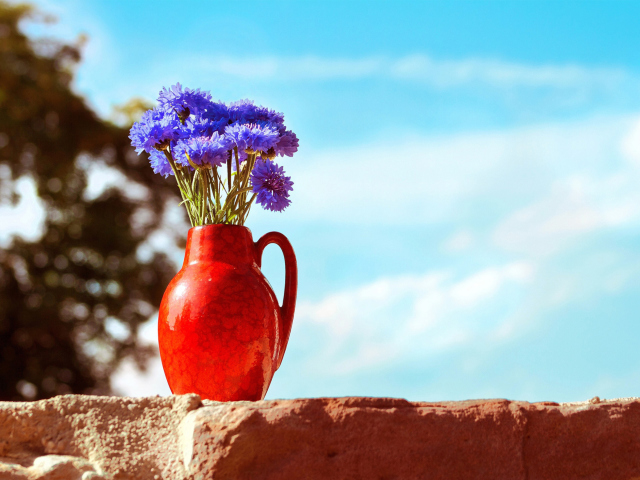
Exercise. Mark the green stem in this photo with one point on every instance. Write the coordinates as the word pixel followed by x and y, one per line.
pixel 210 194
pixel 205 197
pixel 179 180
pixel 248 208
pixel 229 169
pixel 218 181
pixel 201 190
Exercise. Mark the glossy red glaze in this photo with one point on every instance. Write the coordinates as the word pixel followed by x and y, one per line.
pixel 222 333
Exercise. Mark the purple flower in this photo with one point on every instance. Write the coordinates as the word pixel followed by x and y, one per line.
pixel 271 185
pixel 202 150
pixel 159 163
pixel 216 112
pixel 185 102
pixel 245 111
pixel 202 127
pixel 287 144
pixel 188 122
pixel 156 127
pixel 253 136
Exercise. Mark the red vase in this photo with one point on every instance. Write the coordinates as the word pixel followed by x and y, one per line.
pixel 221 331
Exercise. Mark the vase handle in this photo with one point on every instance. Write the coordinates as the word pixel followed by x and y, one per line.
pixel 290 283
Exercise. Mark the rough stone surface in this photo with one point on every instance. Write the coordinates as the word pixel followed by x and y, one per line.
pixel 100 438
pixel 93 438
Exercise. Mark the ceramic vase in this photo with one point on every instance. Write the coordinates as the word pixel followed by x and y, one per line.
pixel 221 331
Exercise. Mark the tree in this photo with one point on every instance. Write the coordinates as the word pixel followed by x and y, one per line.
pixel 59 295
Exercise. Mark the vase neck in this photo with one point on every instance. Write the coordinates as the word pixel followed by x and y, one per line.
pixel 232 244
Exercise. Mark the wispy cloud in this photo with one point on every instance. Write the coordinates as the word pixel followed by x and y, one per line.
pixel 494 174
pixel 566 84
pixel 498 73
pixel 440 73
pixel 293 68
pixel 574 208
pixel 427 314
pixel 604 195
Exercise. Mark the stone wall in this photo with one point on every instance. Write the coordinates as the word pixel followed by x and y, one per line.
pixel 83 437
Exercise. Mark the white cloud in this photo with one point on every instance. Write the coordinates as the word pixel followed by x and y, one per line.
pixel 448 73
pixel 486 283
pixel 412 314
pixel 459 241
pixel 445 73
pixel 295 68
pixel 630 145
pixel 576 206
pixel 493 174
pixel 574 83
pixel 546 226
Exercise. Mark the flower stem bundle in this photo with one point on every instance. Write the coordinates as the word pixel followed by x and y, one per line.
pixel 221 155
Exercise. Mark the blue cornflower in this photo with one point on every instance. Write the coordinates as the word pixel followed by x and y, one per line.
pixel 198 126
pixel 245 111
pixel 253 136
pixel 157 127
pixel 203 150
pixel 185 102
pixel 217 111
pixel 271 185
pixel 159 163
pixel 287 144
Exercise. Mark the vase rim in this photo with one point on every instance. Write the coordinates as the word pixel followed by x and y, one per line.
pixel 217 225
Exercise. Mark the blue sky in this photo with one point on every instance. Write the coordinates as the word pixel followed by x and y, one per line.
pixel 466 212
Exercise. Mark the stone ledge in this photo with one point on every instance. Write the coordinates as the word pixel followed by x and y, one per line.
pixel 99 438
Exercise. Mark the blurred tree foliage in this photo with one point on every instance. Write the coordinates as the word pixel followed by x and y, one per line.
pixel 72 302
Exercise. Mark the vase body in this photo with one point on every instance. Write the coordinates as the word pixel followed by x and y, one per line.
pixel 221 331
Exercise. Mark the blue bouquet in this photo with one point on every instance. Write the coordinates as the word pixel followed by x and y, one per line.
pixel 220 154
